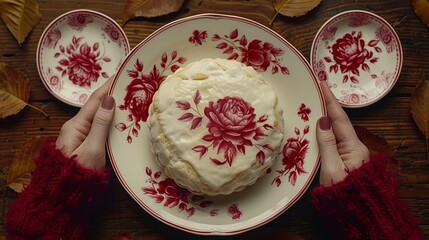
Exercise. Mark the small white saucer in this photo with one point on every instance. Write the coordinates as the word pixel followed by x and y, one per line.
pixel 78 52
pixel 360 56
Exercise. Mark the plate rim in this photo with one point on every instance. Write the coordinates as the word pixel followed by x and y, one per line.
pixel 395 36
pixel 216 230
pixel 49 27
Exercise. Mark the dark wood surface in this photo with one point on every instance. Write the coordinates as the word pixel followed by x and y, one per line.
pixel 389 118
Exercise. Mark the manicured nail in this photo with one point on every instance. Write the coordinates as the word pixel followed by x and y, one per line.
pixel 108 102
pixel 325 123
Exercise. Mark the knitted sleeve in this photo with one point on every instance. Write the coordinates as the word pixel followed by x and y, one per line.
pixel 59 202
pixel 365 205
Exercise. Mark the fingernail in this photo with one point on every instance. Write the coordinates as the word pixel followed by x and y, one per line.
pixel 108 102
pixel 325 123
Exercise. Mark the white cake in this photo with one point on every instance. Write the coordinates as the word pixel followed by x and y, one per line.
pixel 215 126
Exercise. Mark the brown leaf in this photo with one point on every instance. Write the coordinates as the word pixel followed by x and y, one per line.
pixel 22 166
pixel 293 8
pixel 14 91
pixel 419 108
pixel 20 16
pixel 377 144
pixel 421 8
pixel 150 8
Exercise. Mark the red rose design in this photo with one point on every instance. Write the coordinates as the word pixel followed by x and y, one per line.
pixel 322 75
pixel 138 98
pixel 79 21
pixel 294 152
pixel 257 55
pixel 231 119
pixel 83 68
pixel 140 92
pixel 52 38
pixel 349 53
pixel 231 126
pixel 169 188
pixel 54 80
pixel 113 33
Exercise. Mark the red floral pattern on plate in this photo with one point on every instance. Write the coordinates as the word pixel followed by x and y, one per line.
pixel 54 81
pixel 320 71
pixel 113 33
pixel 350 53
pixel 358 20
pixel 257 54
pixel 328 34
pixel 384 80
pixel 294 152
pixel 198 38
pixel 52 38
pixel 169 194
pixel 234 212
pixel 304 112
pixel 79 21
pixel 81 62
pixel 385 36
pixel 352 97
pixel 232 126
pixel 141 89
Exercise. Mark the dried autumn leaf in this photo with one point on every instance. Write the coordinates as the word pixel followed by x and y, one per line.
pixel 419 108
pixel 421 8
pixel 377 144
pixel 150 8
pixel 20 16
pixel 293 8
pixel 14 91
pixel 23 165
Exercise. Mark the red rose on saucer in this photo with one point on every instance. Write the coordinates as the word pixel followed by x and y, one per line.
pixel 83 68
pixel 349 53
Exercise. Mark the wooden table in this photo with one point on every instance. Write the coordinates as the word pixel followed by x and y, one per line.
pixel 389 118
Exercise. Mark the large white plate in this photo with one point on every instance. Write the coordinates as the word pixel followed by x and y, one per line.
pixel 210 36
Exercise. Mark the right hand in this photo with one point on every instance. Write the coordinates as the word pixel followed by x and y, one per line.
pixel 341 151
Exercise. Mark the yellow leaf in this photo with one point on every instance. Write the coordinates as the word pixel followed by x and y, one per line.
pixel 421 8
pixel 293 8
pixel 419 108
pixel 20 16
pixel 14 91
pixel 150 8
pixel 23 165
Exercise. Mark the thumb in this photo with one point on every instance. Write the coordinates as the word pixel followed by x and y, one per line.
pixel 332 167
pixel 101 123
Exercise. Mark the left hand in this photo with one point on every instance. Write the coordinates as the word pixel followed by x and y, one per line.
pixel 84 136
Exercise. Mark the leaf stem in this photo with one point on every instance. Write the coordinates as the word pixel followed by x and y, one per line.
pixel 278 11
pixel 38 109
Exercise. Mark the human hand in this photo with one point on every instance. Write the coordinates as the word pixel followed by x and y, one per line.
pixel 84 135
pixel 341 151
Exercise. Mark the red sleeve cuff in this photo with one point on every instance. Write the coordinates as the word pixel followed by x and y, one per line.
pixel 366 204
pixel 61 192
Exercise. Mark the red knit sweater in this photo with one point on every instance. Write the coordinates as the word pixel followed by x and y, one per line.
pixel 60 201
pixel 365 205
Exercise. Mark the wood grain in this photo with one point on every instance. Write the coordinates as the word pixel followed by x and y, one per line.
pixel 389 118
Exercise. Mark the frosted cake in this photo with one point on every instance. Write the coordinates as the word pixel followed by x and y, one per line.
pixel 215 126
